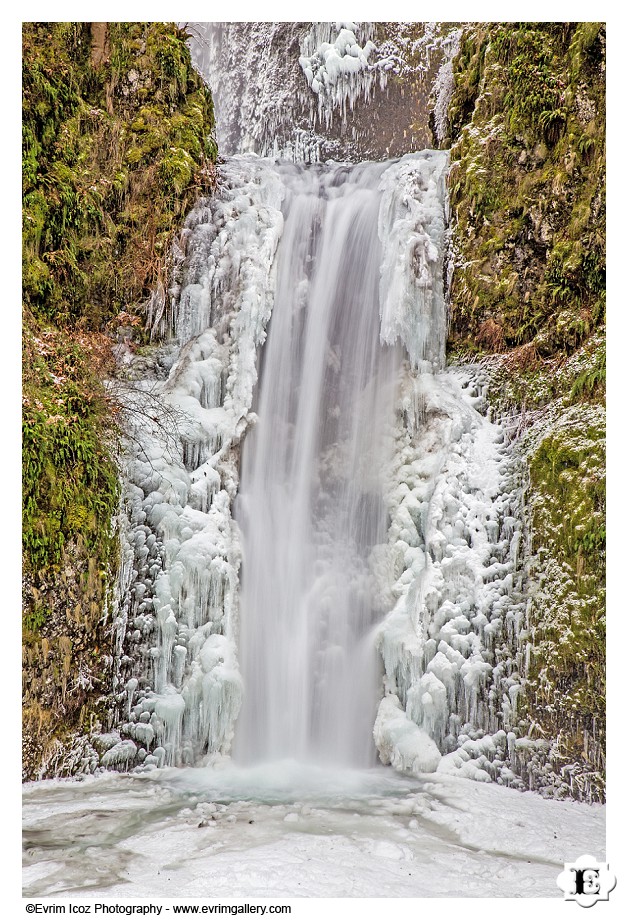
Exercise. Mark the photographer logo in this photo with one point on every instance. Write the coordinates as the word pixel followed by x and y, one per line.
pixel 586 881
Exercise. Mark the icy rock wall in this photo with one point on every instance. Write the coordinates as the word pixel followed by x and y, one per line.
pixel 259 96
pixel 450 643
pixel 324 89
pixel 307 74
pixel 179 688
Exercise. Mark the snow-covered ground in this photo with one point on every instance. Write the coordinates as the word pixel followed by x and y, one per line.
pixel 288 831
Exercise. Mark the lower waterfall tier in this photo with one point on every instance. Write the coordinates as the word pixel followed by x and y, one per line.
pixel 372 508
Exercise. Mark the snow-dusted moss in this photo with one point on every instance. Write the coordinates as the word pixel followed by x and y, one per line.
pixel 116 146
pixel 527 301
pixel 565 688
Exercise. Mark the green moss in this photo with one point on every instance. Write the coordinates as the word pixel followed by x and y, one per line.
pixel 115 152
pixel 70 481
pixel 527 183
pixel 565 471
pixel 591 380
pixel 96 143
pixel 107 172
pixel 33 620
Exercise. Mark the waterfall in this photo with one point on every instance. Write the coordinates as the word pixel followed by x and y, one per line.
pixel 321 552
pixel 318 251
pixel 311 500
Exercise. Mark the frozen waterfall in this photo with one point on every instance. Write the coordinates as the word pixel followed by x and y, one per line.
pixel 322 538
pixel 346 261
pixel 311 500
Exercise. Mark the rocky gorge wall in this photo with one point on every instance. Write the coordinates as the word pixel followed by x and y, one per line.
pixel 128 149
pixel 526 126
pixel 117 145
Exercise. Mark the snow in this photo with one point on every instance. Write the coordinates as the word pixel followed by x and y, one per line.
pixel 291 831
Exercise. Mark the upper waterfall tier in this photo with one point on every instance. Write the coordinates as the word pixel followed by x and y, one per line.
pixel 325 89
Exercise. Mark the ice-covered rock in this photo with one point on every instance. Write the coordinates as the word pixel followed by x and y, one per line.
pixel 401 742
pixel 449 643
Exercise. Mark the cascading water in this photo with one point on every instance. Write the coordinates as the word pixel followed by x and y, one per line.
pixel 378 510
pixel 311 500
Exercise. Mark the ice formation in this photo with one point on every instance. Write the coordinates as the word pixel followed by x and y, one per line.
pixel 180 686
pixel 450 642
pixel 282 111
pixel 412 228
pixel 444 85
pixel 401 742
pixel 253 115
pixel 379 506
pixel 339 69
pixel 315 245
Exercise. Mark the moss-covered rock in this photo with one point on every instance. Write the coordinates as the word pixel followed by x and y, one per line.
pixel 114 153
pixel 117 145
pixel 527 185
pixel 527 122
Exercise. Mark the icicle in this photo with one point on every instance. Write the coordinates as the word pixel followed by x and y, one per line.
pixel 183 478
pixel 451 495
